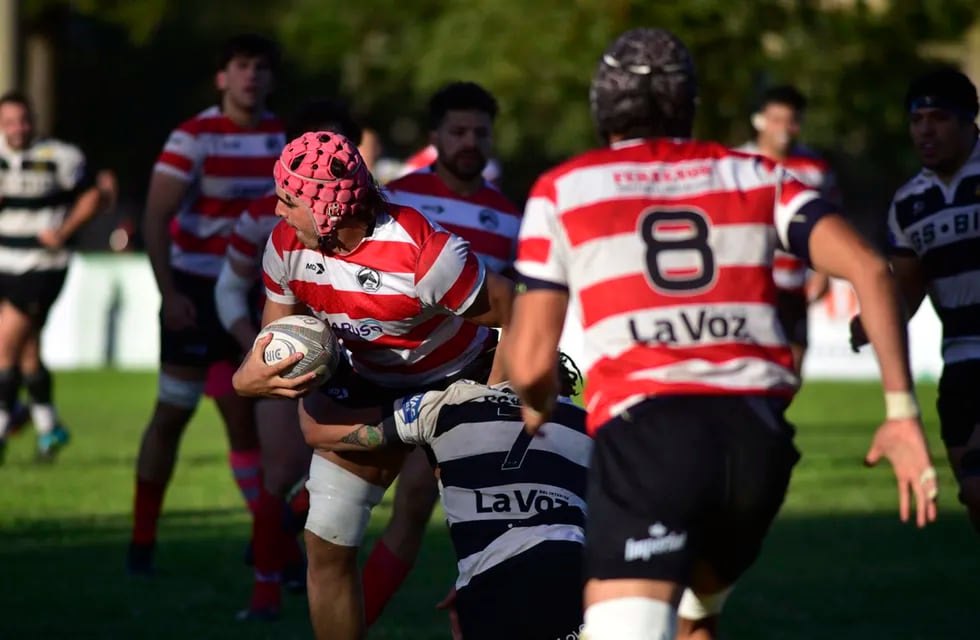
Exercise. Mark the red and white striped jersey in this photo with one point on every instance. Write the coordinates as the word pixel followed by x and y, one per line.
pixel 227 166
pixel 485 219
pixel 666 249
pixel 395 301
pixel 253 228
pixel 789 271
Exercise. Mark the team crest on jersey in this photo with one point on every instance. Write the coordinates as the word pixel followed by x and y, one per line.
pixel 272 143
pixel 432 208
pixel 369 279
pixel 489 218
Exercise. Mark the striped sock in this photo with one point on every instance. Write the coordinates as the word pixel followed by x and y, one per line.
pixel 246 467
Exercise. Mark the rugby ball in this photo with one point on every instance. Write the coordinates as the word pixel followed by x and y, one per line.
pixel 302 334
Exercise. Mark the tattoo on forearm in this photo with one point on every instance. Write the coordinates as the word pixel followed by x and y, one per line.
pixel 368 436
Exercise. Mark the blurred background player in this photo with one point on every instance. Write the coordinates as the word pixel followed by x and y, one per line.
pixel 285 454
pixel 515 504
pixel 428 154
pixel 777 124
pixel 692 452
pixel 452 192
pixel 46 195
pixel 211 167
pixel 396 289
pixel 934 244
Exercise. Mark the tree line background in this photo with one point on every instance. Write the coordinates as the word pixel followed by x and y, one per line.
pixel 125 73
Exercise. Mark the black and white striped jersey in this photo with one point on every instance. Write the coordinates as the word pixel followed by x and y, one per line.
pixel 37 187
pixel 940 224
pixel 503 491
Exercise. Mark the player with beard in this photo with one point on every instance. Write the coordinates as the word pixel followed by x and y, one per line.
pixel 934 242
pixel 453 193
pixel 413 306
pixel 777 123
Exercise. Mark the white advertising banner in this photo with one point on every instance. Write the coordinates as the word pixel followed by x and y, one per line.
pixel 107 315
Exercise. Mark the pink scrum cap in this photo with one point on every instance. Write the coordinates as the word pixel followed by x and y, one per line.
pixel 325 171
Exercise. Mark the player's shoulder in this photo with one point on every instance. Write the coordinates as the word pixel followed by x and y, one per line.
pixel 400 220
pixel 916 185
pixel 200 122
pixel 661 150
pixel 272 123
pixel 419 181
pixel 492 196
pixel 56 150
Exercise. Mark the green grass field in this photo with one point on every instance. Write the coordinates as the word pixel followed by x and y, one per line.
pixel 838 564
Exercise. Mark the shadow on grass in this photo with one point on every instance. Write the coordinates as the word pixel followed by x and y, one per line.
pixel 841 577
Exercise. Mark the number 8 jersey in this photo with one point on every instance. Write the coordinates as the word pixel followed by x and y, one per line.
pixel 666 249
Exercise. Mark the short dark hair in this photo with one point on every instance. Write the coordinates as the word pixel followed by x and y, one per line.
pixel 16 97
pixel 460 96
pixel 569 375
pixel 251 45
pixel 327 114
pixel 784 94
pixel 945 87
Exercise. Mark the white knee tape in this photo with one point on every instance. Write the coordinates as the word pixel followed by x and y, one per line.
pixel 695 607
pixel 630 619
pixel 340 503
pixel 185 394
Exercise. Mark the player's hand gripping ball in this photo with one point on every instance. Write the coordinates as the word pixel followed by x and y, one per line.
pixel 307 335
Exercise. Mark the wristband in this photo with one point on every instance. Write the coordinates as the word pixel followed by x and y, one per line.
pixel 900 405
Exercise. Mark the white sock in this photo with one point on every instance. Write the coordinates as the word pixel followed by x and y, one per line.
pixel 4 422
pixel 630 619
pixel 44 417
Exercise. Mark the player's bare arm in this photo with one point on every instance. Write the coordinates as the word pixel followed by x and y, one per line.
pixel 817 286
pixel 231 295
pixel 838 250
pixel 328 426
pixel 166 193
pixel 255 378
pixel 539 316
pixel 912 285
pixel 492 305
pixel 492 308
pixel 85 208
pixel 911 282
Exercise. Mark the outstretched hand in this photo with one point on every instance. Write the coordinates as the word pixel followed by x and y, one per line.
pixel 903 444
pixel 448 604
